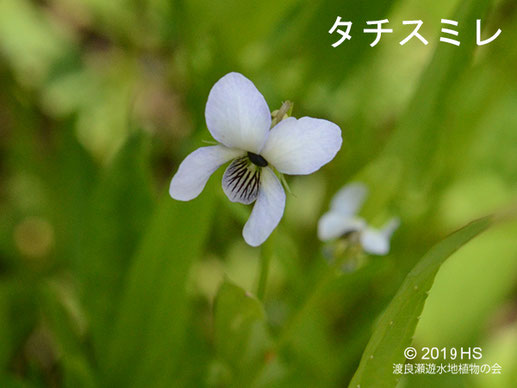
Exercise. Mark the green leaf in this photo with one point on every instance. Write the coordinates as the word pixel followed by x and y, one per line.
pixel 410 155
pixel 10 381
pixel 116 216
pixel 150 330
pixel 310 22
pixel 24 24
pixel 241 337
pixel 60 307
pixel 425 119
pixel 18 315
pixel 257 19
pixel 6 346
pixel 236 312
pixel 70 178
pixel 394 331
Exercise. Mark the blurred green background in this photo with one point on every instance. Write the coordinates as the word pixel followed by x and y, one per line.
pixel 105 281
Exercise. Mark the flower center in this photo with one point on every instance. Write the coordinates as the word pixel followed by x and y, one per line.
pixel 257 160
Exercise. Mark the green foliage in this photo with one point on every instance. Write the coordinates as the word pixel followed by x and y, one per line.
pixel 150 328
pixel 240 332
pixel 395 328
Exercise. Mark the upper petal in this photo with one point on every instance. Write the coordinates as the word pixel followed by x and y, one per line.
pixel 349 199
pixel 237 115
pixel 333 225
pixel 194 171
pixel 300 147
pixel 268 209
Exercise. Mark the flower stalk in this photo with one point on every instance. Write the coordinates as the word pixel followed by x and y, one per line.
pixel 334 269
pixel 266 253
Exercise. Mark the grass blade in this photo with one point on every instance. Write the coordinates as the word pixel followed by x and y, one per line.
pixel 151 325
pixel 395 329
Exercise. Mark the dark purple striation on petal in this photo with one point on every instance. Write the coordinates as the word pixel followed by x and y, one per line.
pixel 241 181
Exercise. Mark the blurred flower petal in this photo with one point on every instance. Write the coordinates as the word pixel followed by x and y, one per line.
pixel 333 225
pixel 349 199
pixel 390 227
pixel 374 241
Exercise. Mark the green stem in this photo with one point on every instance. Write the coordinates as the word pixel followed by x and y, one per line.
pixel 311 300
pixel 265 261
pixel 331 272
pixel 285 109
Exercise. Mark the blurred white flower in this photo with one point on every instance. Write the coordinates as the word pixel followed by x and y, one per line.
pixel 342 219
pixel 239 119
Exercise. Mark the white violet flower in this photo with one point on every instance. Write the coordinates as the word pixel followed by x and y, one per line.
pixel 342 219
pixel 239 119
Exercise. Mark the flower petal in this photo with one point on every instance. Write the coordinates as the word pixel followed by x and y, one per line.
pixel 390 227
pixel 333 225
pixel 377 241
pixel 300 147
pixel 241 181
pixel 194 171
pixel 237 114
pixel 268 209
pixel 348 200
